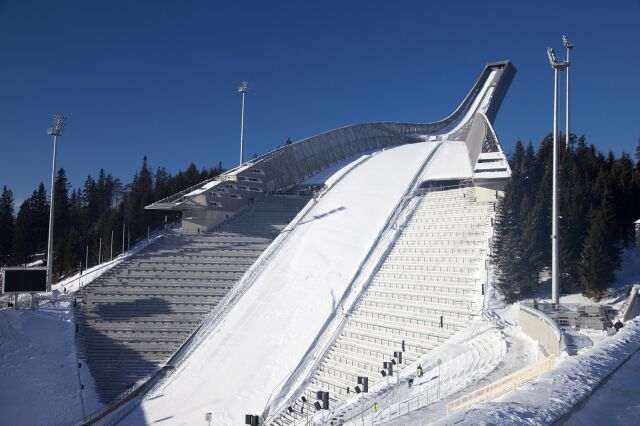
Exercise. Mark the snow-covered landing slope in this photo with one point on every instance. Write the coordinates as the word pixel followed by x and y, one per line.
pixel 266 334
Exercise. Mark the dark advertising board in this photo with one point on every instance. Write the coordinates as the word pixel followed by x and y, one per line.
pixel 24 280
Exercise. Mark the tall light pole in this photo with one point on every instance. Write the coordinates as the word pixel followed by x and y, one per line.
pixel 244 88
pixel 568 45
pixel 555 257
pixel 55 131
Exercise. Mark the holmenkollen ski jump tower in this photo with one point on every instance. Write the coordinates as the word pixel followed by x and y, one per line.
pixel 304 278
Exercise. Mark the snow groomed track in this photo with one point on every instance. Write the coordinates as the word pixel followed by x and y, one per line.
pixel 275 323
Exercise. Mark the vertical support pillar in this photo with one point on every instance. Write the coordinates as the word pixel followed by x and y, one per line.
pixel 555 276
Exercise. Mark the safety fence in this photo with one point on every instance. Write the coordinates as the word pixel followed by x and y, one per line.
pixel 503 385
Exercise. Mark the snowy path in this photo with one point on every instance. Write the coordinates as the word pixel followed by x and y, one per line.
pixel 553 394
pixel 489 367
pixel 235 370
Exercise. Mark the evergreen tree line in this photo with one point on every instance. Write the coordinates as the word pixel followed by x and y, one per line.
pixel 85 215
pixel 599 199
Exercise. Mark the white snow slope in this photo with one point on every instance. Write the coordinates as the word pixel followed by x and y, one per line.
pixel 266 334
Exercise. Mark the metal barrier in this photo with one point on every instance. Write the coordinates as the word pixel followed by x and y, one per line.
pixel 503 385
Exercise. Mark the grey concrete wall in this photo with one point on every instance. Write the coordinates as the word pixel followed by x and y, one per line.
pixel 541 328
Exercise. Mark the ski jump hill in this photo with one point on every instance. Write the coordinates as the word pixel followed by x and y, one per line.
pixel 306 270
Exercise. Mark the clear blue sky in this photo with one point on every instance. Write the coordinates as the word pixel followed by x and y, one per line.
pixel 160 77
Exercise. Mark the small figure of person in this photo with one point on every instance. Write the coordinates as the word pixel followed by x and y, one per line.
pixel 419 371
pixel 375 407
pixel 618 325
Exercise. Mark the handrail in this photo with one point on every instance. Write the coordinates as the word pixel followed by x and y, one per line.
pixel 467 183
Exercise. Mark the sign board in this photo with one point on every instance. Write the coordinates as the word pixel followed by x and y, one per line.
pixel 24 280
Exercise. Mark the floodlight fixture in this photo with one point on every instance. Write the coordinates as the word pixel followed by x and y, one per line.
pixel 554 60
pixel 244 87
pixel 552 56
pixel 566 42
pixel 58 125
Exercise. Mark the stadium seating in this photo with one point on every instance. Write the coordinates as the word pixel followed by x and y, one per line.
pixel 422 294
pixel 133 318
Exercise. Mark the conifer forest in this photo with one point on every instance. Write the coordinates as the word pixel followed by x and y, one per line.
pixel 599 200
pixel 104 208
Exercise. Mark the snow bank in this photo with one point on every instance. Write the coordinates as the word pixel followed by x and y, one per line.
pixel 616 402
pixel 265 335
pixel 38 370
pixel 554 394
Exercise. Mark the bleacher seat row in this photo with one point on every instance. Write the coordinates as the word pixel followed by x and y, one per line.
pixel 423 293
pixel 133 318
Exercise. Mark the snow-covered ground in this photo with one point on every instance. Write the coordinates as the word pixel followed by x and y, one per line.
pixel 554 394
pixel 616 402
pixel 627 275
pixel 39 378
pixel 269 330
pixel 38 367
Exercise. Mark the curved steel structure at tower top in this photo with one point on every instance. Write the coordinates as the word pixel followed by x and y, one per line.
pixel 210 202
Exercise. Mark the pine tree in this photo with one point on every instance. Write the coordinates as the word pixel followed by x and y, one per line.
pixel 61 221
pixel 6 224
pixel 596 269
pixel 162 188
pixel 91 201
pixel 23 244
pixel 40 218
pixel 31 227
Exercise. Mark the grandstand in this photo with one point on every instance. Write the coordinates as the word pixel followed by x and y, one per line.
pixel 133 318
pixel 425 291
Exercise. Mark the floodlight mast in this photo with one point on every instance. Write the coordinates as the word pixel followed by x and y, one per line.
pixel 569 46
pixel 244 88
pixel 555 243
pixel 55 131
